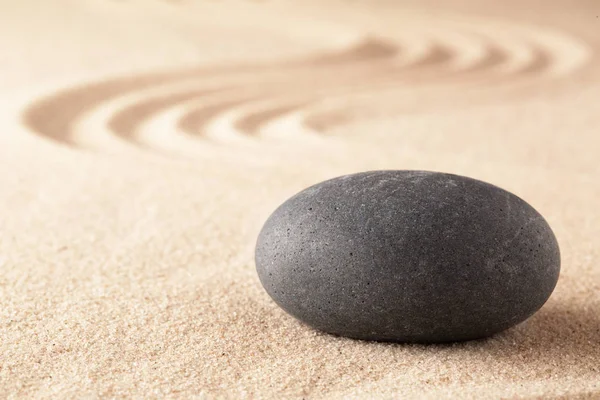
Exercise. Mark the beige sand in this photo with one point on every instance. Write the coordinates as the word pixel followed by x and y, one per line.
pixel 144 142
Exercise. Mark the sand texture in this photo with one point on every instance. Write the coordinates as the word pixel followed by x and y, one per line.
pixel 144 142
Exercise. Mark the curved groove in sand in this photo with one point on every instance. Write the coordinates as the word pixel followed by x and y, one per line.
pixel 321 122
pixel 368 50
pixel 125 122
pixel 251 123
pixel 541 62
pixel 193 122
pixel 493 57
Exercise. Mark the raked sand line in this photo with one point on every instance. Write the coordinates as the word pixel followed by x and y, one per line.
pixel 126 121
pixel 252 123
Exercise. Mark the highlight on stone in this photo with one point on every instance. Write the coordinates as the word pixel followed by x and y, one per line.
pixel 408 256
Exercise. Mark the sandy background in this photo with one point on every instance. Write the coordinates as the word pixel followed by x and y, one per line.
pixel 144 143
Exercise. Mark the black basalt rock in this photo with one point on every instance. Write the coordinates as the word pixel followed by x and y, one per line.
pixel 409 256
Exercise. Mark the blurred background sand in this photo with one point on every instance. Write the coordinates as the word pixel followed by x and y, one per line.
pixel 144 143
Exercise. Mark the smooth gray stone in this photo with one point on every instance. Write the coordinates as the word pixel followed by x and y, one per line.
pixel 408 256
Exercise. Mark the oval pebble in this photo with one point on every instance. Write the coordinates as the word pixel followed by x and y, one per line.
pixel 408 256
